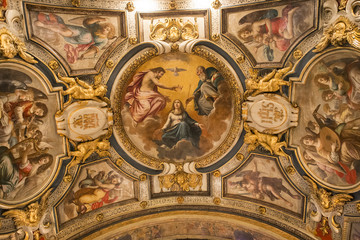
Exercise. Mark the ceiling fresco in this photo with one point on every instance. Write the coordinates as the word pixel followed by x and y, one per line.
pixel 222 119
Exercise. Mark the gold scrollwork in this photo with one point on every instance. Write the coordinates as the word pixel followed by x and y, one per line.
pixel 327 202
pixel 10 46
pixel 32 215
pixel 270 142
pixel 173 29
pixel 81 90
pixel 341 32
pixel 180 181
pixel 272 82
pixel 3 8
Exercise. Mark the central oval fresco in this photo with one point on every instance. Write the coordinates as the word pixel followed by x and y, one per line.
pixel 176 107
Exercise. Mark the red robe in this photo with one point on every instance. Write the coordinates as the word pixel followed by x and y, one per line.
pixel 143 103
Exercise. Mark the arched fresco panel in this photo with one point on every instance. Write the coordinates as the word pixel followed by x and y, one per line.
pixel 28 139
pixel 328 131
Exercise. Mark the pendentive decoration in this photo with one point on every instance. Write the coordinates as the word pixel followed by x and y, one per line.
pixel 342 31
pixel 32 219
pixel 270 113
pixel 327 206
pixel 266 113
pixel 173 30
pixel 10 46
pixel 87 121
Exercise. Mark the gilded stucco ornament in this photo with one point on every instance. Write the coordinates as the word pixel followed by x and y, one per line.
pixel 32 218
pixel 130 7
pixel 75 3
pixel 342 4
pixel 270 113
pixel 270 142
pixel 326 205
pixel 173 30
pixel 216 4
pixel 80 90
pixel 84 150
pixel 180 181
pixel 133 40
pixel 10 46
pixel 342 31
pixel 3 8
pixel 172 5
pixel 53 64
pixel 271 82
pixel 84 120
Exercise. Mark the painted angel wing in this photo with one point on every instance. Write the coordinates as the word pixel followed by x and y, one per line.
pixel 78 20
pixel 19 217
pixel 258 15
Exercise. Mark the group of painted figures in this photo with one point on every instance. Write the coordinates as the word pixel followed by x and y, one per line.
pixel 144 100
pixel 332 142
pixel 23 157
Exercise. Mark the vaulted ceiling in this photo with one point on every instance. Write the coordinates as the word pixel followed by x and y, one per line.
pixel 175 119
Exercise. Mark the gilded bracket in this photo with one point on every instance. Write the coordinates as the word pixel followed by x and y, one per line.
pixel 173 30
pixel 10 46
pixel 327 206
pixel 32 218
pixel 342 31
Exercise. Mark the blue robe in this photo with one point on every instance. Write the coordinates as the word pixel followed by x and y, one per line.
pixel 186 129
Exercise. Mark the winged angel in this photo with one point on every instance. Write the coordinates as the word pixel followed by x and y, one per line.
pixel 79 89
pixel 32 216
pixel 266 29
pixel 89 34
